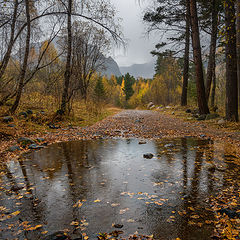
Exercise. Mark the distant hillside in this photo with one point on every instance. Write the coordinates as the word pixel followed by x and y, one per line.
pixel 111 68
pixel 146 70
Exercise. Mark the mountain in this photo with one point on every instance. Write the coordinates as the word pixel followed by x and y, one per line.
pixel 146 70
pixel 111 68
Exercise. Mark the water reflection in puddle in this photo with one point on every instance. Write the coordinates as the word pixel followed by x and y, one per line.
pixel 87 186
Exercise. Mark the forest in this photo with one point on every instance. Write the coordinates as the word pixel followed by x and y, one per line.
pixel 52 56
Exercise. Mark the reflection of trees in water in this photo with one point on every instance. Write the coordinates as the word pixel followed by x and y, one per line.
pixel 193 153
pixel 48 160
pixel 29 208
pixel 33 211
pixel 11 178
pixel 71 178
pixel 209 153
pixel 194 192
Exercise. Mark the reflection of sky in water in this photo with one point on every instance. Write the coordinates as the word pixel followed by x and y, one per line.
pixel 142 194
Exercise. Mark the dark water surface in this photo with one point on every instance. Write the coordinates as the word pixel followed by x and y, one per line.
pixel 86 186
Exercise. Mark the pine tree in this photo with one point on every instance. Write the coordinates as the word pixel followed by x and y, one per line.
pixel 128 83
pixel 99 90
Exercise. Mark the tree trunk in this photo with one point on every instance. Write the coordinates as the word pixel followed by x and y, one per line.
pixel 213 93
pixel 231 63
pixel 238 47
pixel 7 55
pixel 67 73
pixel 202 102
pixel 213 44
pixel 186 57
pixel 25 61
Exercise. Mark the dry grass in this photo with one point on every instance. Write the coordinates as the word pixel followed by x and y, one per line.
pixel 180 112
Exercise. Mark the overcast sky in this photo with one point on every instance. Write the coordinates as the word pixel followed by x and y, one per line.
pixel 139 45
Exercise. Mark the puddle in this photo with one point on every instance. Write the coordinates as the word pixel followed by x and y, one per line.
pixel 87 186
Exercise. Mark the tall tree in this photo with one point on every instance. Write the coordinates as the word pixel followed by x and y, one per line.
pixel 202 102
pixel 186 56
pixel 128 83
pixel 213 44
pixel 231 62
pixel 67 73
pixel 25 61
pixel 89 43
pixel 7 55
pixel 238 47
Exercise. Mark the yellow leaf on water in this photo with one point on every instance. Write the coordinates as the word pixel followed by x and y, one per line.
pixel 97 200
pixel 15 213
pixel 130 220
pixel 74 223
pixel 195 216
pixel 115 204
pixel 38 226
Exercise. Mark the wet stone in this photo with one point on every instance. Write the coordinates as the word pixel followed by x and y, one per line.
pixel 212 116
pixel 53 126
pixel 16 188
pixel 150 105
pixel 25 141
pixel 169 145
pixel 14 148
pixel 57 236
pixel 29 112
pixel 35 146
pixel 118 225
pixel 202 117
pixel 231 213
pixel 142 142
pixel 7 119
pixel 148 155
pixel 138 121
pixel 23 114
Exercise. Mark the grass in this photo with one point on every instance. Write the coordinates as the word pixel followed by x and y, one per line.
pixel 180 112
pixel 83 115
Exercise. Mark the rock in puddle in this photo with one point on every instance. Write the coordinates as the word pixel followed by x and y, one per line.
pixel 169 145
pixel 16 188
pixel 63 236
pixel 148 155
pixel 57 236
pixel 118 225
pixel 142 142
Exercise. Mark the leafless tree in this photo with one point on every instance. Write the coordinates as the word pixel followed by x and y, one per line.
pixel 89 44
